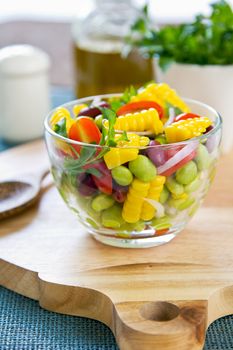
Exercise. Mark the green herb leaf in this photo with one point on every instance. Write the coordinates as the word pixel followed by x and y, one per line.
pixel 60 127
pixel 110 115
pixel 116 104
pixel 86 153
pixel 94 171
pixel 76 165
pixel 123 137
pixel 128 93
pixel 206 40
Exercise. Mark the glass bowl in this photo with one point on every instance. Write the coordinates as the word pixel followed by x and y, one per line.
pixel 138 215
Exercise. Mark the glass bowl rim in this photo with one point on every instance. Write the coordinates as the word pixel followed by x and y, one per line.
pixel 216 127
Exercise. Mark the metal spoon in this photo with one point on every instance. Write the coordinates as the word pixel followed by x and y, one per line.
pixel 18 194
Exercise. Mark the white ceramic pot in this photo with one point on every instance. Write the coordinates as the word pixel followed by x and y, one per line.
pixel 24 92
pixel 210 84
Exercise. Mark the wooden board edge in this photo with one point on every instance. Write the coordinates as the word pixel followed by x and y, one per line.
pixel 135 325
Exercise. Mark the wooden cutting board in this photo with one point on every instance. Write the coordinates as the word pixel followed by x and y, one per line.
pixel 158 298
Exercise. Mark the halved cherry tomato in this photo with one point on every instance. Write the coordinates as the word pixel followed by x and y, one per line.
pixel 132 107
pixel 104 181
pixel 185 116
pixel 178 165
pixel 85 130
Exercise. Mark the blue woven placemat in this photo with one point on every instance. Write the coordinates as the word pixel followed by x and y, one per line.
pixel 25 326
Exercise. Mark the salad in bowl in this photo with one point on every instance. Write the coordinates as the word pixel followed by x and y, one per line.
pixel 134 167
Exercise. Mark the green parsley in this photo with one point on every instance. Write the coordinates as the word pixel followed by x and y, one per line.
pixel 207 40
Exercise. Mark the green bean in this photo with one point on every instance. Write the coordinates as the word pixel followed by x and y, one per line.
pixel 101 202
pixel 143 168
pixel 187 173
pixel 202 158
pixel 112 217
pixel 173 186
pixel 164 195
pixel 138 226
pixel 181 204
pixel 193 186
pixel 122 175
pixel 161 223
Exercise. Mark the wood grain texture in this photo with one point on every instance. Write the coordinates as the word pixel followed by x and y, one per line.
pixel 157 298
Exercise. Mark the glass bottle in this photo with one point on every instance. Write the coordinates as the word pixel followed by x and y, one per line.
pixel 98 44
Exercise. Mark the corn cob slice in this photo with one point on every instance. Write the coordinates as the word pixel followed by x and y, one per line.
pixel 161 93
pixel 134 201
pixel 59 114
pixel 146 120
pixel 186 129
pixel 156 187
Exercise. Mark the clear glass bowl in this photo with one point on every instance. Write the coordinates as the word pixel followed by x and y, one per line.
pixel 148 219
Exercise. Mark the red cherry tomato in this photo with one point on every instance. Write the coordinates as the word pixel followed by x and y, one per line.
pixel 85 130
pixel 178 165
pixel 185 116
pixel 104 181
pixel 132 107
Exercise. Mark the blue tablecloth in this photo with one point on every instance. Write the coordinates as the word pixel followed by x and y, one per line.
pixel 25 326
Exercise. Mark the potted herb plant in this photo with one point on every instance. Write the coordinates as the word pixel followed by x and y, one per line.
pixel 195 58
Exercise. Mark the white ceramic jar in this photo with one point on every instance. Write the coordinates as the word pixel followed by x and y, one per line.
pixel 211 84
pixel 24 92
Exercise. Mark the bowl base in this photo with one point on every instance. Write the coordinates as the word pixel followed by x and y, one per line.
pixel 147 242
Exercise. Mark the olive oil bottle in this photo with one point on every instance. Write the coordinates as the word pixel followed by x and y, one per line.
pixel 100 66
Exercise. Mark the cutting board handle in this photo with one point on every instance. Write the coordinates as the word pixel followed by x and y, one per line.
pixel 179 325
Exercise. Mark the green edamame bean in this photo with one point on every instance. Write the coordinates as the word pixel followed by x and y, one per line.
pixel 92 213
pixel 174 187
pixel 101 202
pixel 98 121
pixel 164 195
pixel 181 204
pixel 122 175
pixel 112 217
pixel 202 158
pixel 187 173
pixel 143 168
pixel 161 223
pixel 193 186
pixel 138 226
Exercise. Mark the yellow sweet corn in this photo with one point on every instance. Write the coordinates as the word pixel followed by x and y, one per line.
pixel 146 120
pixel 125 150
pixel 134 201
pixel 155 189
pixel 77 108
pixel 134 140
pixel 186 129
pixel 160 93
pixel 59 114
